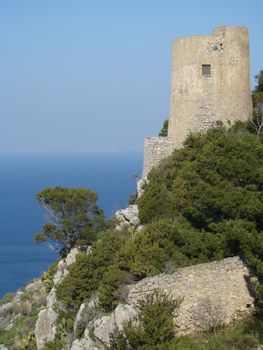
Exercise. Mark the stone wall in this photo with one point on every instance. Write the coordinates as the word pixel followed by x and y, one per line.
pixel 155 149
pixel 213 293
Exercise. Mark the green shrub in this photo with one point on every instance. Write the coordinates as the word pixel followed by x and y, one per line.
pixel 7 298
pixel 97 272
pixel 216 176
pixel 156 329
pixel 21 333
pixel 56 344
pixel 164 130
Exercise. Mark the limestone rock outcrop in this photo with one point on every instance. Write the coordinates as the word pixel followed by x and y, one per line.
pixel 140 186
pixel 128 216
pixel 62 270
pixel 97 333
pixel 21 303
pixel 45 329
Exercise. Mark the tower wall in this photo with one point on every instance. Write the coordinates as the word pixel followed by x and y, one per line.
pixel 197 100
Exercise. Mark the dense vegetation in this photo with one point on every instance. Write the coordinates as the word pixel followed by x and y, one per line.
pixel 205 202
pixel 257 98
pixel 213 185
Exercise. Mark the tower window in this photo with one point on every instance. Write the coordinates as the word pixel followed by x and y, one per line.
pixel 206 70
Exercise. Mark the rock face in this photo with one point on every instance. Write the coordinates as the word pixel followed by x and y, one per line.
pixel 87 312
pixel 21 303
pixel 128 216
pixel 45 329
pixel 62 270
pixel 140 186
pixel 97 333
pixel 212 293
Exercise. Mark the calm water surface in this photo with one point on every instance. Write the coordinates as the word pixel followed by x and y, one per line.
pixel 22 176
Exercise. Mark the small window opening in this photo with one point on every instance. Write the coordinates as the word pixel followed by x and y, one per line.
pixel 206 70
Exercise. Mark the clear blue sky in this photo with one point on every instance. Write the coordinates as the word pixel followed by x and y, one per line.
pixel 82 75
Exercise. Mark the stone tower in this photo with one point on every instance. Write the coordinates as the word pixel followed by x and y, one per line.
pixel 210 82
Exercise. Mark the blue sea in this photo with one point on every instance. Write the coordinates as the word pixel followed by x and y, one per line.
pixel 110 175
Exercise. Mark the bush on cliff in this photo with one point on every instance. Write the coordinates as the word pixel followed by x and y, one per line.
pixel 155 329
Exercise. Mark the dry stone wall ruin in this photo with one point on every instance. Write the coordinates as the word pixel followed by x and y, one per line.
pixel 212 294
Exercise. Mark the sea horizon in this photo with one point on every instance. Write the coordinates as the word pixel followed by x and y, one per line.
pixel 109 174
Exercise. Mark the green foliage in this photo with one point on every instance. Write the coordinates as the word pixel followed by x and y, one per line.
pixel 164 130
pixel 156 326
pixel 257 98
pixel 97 272
pixel 7 298
pixel 75 217
pixel 120 258
pixel 259 79
pixel 48 276
pixel 21 335
pixel 27 342
pixel 54 345
pixel 216 176
pixel 215 184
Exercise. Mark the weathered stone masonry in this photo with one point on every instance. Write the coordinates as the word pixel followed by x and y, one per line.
pixel 219 292
pixel 210 82
pixel 155 149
